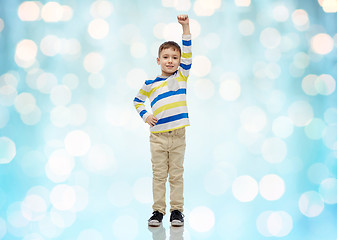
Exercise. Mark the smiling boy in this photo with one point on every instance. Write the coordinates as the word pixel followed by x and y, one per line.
pixel 167 95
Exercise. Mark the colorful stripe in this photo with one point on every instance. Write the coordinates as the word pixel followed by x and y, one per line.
pixel 169 106
pixel 168 94
pixel 187 42
pixel 142 113
pixel 186 67
pixel 172 118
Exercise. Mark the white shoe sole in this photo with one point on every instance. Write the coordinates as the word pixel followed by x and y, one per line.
pixel 154 223
pixel 177 223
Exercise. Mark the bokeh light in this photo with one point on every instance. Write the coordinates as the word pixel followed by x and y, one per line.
pixel 261 149
pixel 245 188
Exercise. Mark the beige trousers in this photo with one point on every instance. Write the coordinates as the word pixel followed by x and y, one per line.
pixel 168 150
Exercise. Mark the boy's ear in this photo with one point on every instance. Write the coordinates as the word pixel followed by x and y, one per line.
pixel 158 61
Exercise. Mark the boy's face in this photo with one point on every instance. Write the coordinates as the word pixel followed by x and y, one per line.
pixel 169 61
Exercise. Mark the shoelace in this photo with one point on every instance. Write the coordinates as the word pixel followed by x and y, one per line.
pixel 155 215
pixel 177 214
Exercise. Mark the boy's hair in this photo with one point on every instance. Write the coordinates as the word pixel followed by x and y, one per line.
pixel 169 44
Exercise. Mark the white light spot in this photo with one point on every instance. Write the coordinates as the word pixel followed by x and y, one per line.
pixel 300 19
pixel 272 187
pixel 281 13
pixel 31 118
pixel 301 60
pixel 245 188
pixel 201 219
pixel 230 89
pixel 279 223
pixel 322 43
pixel 29 11
pixel 212 40
pixel 59 166
pixel 50 45
pixel 63 197
pixel 253 119
pixel 78 114
pixel 8 95
pixel 33 207
pixel 224 180
pixel 96 80
pixel 25 103
pixel 26 50
pixel 330 116
pixel 100 159
pixel 158 30
pixel 77 143
pixel 48 228
pixel 45 82
pixel 308 84
pixel 182 5
pixel 7 150
pixel 270 38
pixel 242 3
pixel 329 6
pixel 135 78
pixel 60 95
pixel 311 204
pixel 204 88
pixel 82 198
pixel 2 25
pixel 274 150
pixel 138 49
pixel 142 190
pixel 70 80
pixel 314 130
pixel 60 116
pixel 52 12
pixel 328 190
pixel 98 28
pixel 62 219
pixel 122 230
pixel 325 84
pixel 67 13
pixel 330 137
pixel 124 196
pixel 201 66
pixel 101 9
pixel 93 62
pixel 301 113
pixel 246 27
pixel 282 127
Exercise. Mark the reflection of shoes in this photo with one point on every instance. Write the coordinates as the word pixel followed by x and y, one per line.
pixel 177 218
pixel 156 219
pixel 158 233
pixel 176 233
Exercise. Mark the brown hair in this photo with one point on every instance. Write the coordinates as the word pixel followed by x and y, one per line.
pixel 169 44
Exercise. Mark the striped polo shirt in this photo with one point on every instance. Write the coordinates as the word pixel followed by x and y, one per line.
pixel 167 95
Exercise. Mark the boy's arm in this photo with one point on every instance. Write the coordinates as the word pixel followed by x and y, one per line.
pixel 186 56
pixel 138 102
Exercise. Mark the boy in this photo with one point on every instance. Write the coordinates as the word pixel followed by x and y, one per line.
pixel 167 94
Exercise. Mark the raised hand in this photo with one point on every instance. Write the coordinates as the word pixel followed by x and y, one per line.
pixel 183 19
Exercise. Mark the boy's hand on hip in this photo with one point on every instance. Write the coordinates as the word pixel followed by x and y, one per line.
pixel 183 19
pixel 151 120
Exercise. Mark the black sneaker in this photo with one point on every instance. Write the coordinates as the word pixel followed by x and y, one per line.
pixel 156 219
pixel 177 218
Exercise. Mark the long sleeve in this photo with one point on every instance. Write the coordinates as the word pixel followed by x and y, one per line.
pixel 139 101
pixel 186 57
